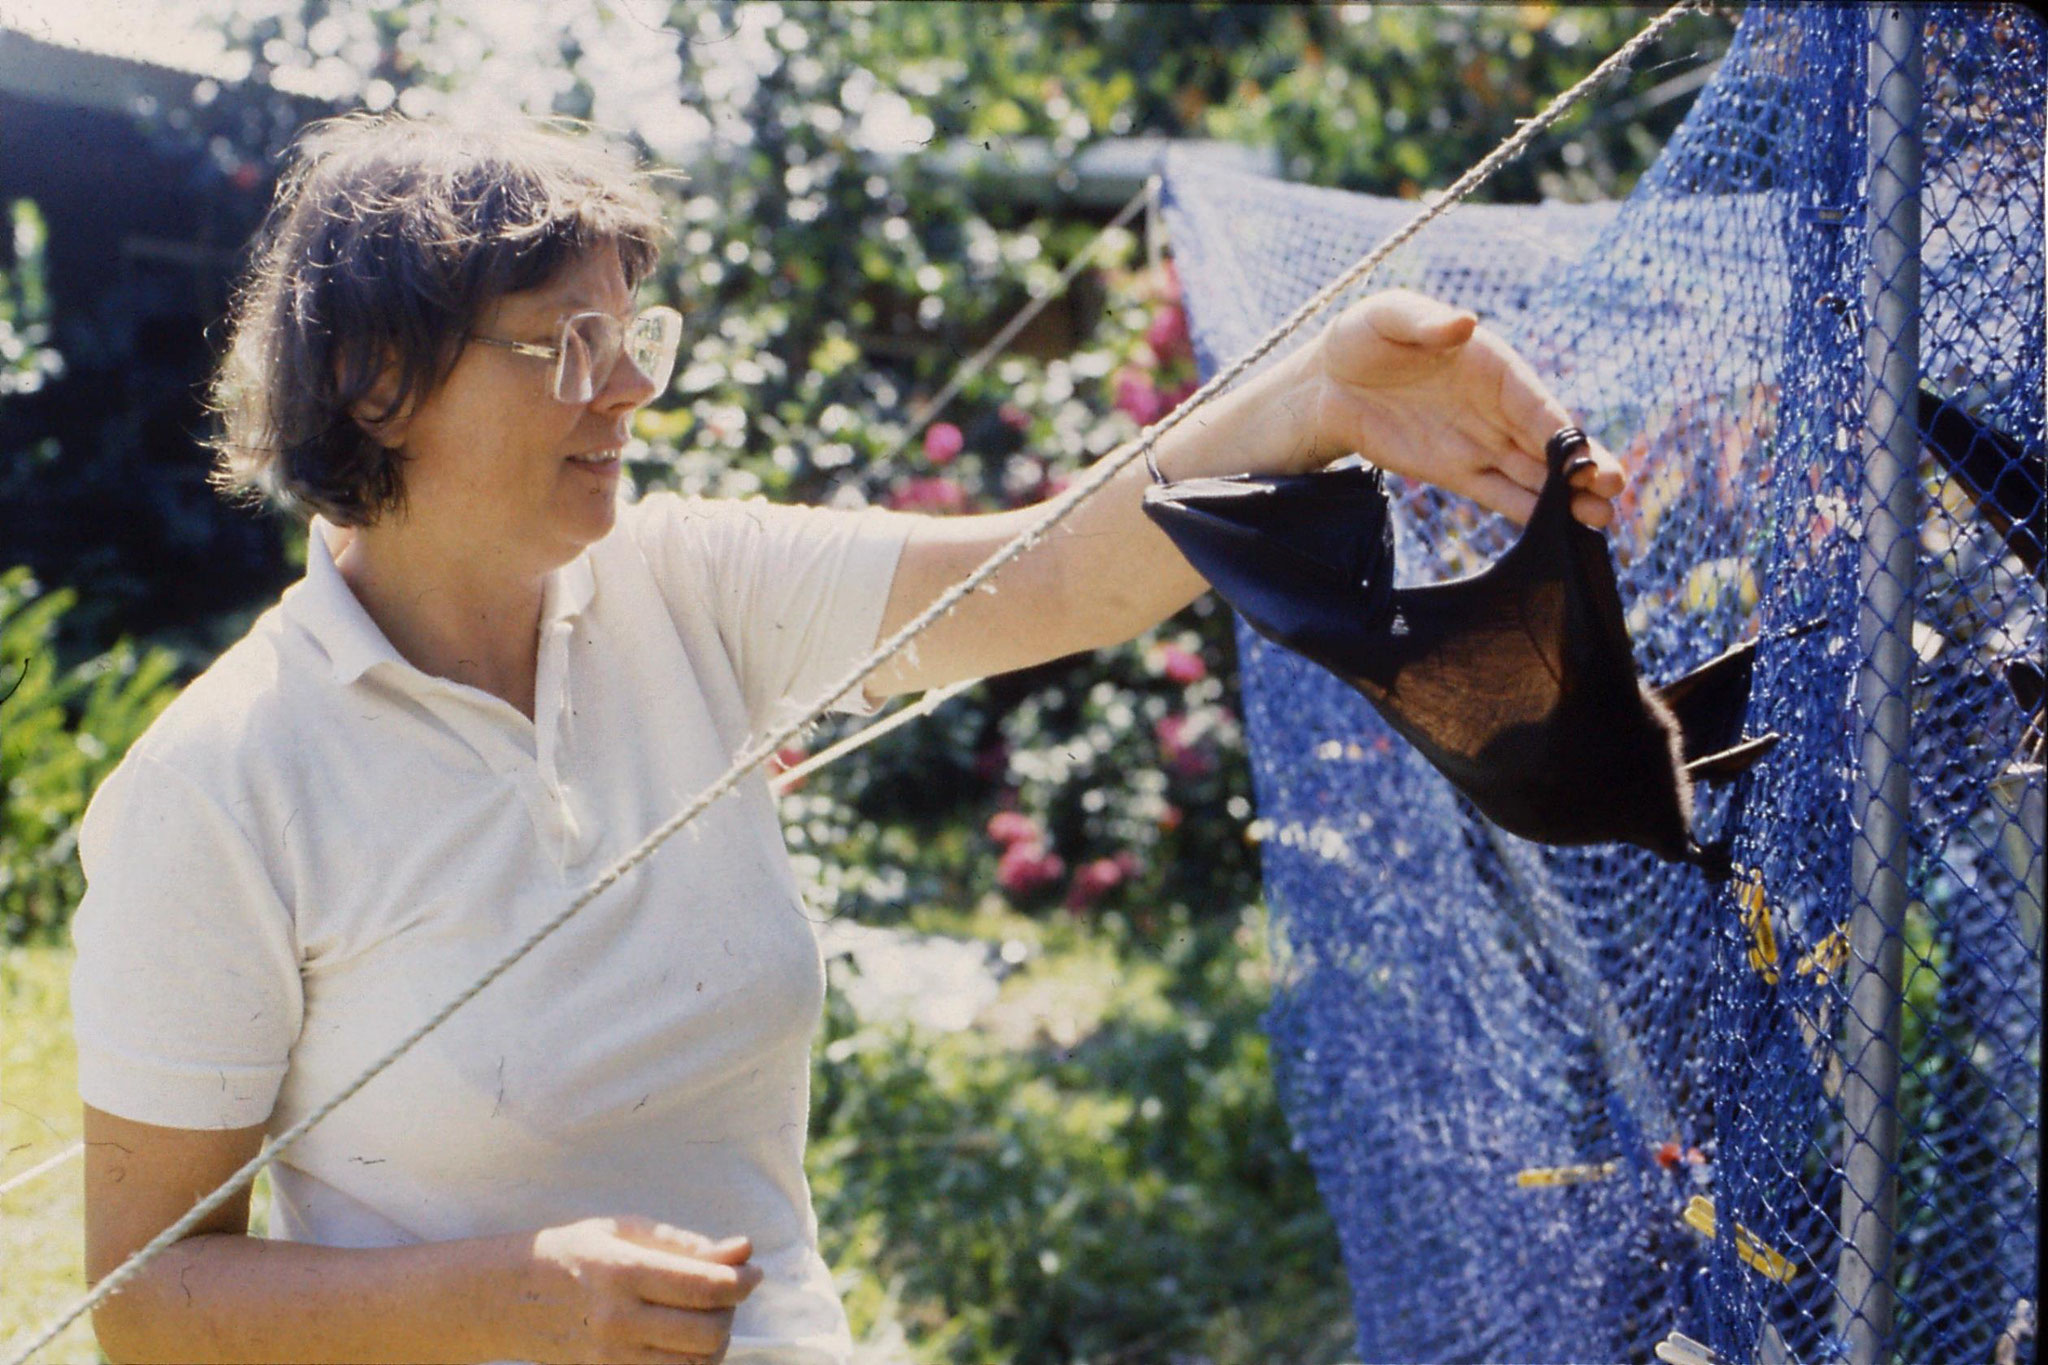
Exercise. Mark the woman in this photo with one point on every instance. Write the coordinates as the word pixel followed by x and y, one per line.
pixel 494 679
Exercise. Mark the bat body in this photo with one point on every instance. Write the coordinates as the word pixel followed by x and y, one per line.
pixel 1518 683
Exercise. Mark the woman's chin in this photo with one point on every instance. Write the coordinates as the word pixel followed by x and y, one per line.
pixel 587 510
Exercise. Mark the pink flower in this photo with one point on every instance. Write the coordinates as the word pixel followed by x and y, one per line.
pixel 785 758
pixel 1009 827
pixel 1178 748
pixel 1027 866
pixel 1169 329
pixel 942 441
pixel 1136 396
pixel 1094 880
pixel 1182 666
pixel 928 495
pixel 1010 415
pixel 1169 280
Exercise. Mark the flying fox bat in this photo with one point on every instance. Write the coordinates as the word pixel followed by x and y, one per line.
pixel 1518 683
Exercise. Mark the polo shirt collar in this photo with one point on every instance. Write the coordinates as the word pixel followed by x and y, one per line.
pixel 327 609
pixel 569 590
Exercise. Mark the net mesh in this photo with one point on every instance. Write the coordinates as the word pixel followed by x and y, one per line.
pixel 1563 1103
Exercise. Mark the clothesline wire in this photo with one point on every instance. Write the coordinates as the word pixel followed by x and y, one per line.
pixel 42 1167
pixel 1056 510
pixel 868 734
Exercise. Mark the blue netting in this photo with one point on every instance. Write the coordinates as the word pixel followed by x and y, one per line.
pixel 1458 1008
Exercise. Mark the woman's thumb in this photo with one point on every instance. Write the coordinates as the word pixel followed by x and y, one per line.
pixel 1413 319
pixel 730 1250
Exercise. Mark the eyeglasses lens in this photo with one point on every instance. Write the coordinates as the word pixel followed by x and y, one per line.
pixel 593 342
pixel 590 347
pixel 652 340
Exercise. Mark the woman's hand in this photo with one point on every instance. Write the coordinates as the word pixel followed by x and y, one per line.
pixel 1421 389
pixel 632 1289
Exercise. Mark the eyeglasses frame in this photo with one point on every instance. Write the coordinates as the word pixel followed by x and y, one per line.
pixel 559 350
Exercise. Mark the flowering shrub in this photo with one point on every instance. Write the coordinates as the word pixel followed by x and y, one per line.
pixel 942 441
pixel 933 493
pixel 1027 867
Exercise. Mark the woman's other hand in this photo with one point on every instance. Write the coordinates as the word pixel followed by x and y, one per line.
pixel 1420 388
pixel 632 1289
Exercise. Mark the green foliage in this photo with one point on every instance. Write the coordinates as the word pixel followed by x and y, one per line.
pixel 1101 1174
pixel 62 730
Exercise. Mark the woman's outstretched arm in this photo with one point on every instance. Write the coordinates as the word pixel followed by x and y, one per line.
pixel 1414 386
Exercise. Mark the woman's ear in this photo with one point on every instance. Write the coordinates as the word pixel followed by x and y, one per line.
pixel 377 410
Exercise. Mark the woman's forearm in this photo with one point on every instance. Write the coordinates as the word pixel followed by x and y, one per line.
pixel 222 1297
pixel 1122 574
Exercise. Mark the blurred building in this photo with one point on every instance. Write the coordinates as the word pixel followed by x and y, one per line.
pixel 127 191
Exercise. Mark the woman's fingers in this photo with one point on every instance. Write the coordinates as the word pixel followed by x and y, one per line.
pixel 1421 389
pixel 1594 511
pixel 633 1289
pixel 681 1241
pixel 1604 479
pixel 681 1332
pixel 1532 412
pixel 1496 492
pixel 1591 502
pixel 1520 469
pixel 685 1282
pixel 1534 415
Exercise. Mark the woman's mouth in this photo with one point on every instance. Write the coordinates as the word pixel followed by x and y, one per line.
pixel 597 459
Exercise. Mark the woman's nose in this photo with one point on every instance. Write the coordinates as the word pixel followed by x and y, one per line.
pixel 627 386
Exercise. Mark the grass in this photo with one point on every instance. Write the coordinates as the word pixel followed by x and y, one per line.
pixel 42 1224
pixel 42 1243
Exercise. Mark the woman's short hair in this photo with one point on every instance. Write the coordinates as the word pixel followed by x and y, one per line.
pixel 388 239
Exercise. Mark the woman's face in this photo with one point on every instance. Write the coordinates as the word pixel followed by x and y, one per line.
pixel 495 461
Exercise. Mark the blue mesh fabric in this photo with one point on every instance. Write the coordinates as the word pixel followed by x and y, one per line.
pixel 1456 1007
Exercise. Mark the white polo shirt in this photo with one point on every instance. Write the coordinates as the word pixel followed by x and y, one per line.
pixel 317 845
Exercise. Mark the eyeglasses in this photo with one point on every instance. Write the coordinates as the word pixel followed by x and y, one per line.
pixel 591 344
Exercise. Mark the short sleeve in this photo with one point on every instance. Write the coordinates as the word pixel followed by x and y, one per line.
pixel 797 592
pixel 185 995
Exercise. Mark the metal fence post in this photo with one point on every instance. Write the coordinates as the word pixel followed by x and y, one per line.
pixel 1867 1269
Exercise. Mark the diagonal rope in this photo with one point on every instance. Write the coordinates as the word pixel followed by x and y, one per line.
pixel 866 735
pixel 41 1168
pixel 1056 511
